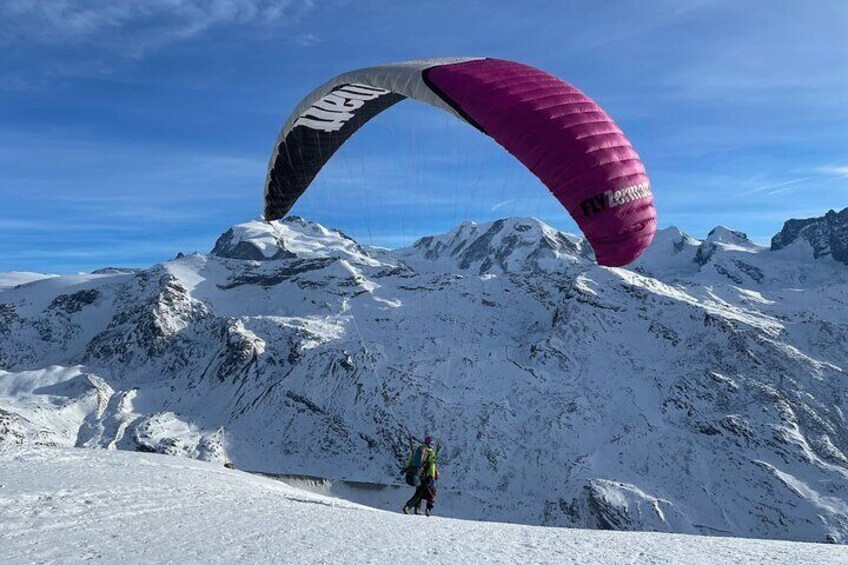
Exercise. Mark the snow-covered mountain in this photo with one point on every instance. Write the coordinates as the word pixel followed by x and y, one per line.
pixel 701 391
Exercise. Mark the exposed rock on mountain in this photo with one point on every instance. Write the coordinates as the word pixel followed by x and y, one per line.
pixel 827 235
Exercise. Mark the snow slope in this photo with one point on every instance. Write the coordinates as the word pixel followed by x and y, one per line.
pixel 11 279
pixel 73 505
pixel 701 391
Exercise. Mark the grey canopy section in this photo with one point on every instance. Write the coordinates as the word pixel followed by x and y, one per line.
pixel 330 114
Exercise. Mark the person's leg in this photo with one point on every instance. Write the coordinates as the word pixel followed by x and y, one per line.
pixel 420 494
pixel 409 503
pixel 414 502
pixel 430 496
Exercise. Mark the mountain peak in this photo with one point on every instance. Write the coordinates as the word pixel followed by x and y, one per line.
pixel 671 231
pixel 670 254
pixel 721 238
pixel 674 235
pixel 506 245
pixel 721 234
pixel 293 237
pixel 827 235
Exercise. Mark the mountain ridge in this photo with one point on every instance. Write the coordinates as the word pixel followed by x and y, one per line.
pixel 827 235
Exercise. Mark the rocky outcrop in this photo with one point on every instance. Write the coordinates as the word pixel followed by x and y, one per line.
pixel 827 235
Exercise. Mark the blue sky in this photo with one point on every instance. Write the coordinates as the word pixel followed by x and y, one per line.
pixel 130 131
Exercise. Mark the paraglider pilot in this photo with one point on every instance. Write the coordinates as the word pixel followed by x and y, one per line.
pixel 421 472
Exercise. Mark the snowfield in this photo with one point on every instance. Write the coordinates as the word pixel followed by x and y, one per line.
pixel 60 505
pixel 11 279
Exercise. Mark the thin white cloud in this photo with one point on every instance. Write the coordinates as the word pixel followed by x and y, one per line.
pixel 827 175
pixel 501 204
pixel 772 186
pixel 305 39
pixel 805 186
pixel 132 26
pixel 835 170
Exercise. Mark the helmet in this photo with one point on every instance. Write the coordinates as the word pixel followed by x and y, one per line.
pixel 428 440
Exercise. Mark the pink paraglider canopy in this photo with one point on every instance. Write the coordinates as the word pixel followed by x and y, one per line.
pixel 567 141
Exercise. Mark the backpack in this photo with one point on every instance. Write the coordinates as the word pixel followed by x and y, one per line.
pixel 419 456
pixel 412 478
pixel 415 464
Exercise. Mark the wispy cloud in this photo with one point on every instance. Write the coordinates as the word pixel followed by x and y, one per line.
pixel 806 186
pixel 836 170
pixel 826 176
pixel 305 39
pixel 501 204
pixel 771 186
pixel 131 26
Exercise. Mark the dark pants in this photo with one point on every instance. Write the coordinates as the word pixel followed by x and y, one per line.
pixel 425 491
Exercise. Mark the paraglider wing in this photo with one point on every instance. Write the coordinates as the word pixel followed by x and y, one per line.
pixel 556 131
